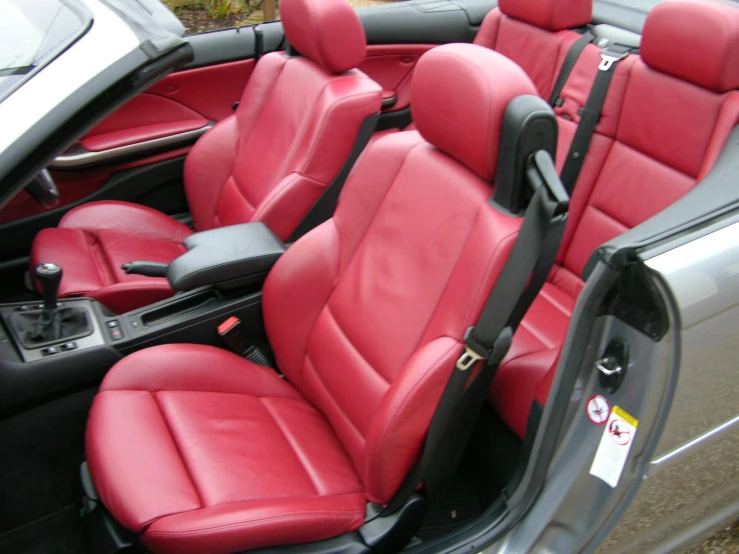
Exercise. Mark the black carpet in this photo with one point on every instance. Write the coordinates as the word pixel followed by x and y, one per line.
pixel 42 449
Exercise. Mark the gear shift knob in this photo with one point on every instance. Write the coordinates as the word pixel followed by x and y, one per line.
pixel 49 276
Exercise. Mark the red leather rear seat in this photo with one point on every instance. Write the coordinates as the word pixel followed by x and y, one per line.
pixel 199 450
pixel 664 122
pixel 536 34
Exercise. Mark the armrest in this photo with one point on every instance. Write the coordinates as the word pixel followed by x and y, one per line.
pixel 228 257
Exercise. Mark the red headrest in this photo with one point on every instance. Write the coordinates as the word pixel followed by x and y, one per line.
pixel 458 95
pixel 326 31
pixel 554 15
pixel 695 40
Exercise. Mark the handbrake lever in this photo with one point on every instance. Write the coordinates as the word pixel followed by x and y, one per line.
pixel 147 269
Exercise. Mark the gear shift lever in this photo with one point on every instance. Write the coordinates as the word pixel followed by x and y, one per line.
pixel 54 323
pixel 49 276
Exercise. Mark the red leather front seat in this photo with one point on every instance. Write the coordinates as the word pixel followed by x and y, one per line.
pixel 270 161
pixel 198 450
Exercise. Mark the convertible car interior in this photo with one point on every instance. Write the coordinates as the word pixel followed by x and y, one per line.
pixel 253 342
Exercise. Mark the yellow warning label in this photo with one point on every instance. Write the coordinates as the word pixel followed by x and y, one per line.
pixel 631 420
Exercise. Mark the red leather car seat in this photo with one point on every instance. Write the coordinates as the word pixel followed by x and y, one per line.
pixel 269 161
pixel 536 34
pixel 664 122
pixel 199 450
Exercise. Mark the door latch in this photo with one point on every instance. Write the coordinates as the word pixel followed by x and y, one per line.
pixel 612 365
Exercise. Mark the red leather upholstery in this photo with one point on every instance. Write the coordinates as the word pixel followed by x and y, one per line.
pixel 269 161
pixel 227 455
pixel 94 240
pixel 272 159
pixel 523 31
pixel 658 135
pixel 461 132
pixel 708 29
pixel 329 33
pixel 200 451
pixel 554 15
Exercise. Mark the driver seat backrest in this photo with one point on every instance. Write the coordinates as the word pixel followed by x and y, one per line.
pixel 367 313
pixel 294 127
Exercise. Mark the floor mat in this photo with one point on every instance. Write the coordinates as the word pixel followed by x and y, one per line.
pixel 58 533
pixel 42 449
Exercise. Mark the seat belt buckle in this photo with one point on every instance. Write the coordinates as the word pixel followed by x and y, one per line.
pixel 234 336
pixel 610 57
pixel 472 352
pixel 468 358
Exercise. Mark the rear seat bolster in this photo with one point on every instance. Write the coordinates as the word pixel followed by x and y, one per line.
pixel 728 118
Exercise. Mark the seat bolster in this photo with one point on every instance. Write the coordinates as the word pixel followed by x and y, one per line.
pixel 79 255
pixel 125 217
pixel 193 367
pixel 396 437
pixel 124 480
pixel 238 526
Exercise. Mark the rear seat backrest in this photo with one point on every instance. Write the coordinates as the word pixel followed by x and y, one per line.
pixel 664 122
pixel 675 116
pixel 535 34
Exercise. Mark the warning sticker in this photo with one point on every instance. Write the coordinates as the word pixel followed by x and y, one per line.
pixel 615 443
pixel 598 409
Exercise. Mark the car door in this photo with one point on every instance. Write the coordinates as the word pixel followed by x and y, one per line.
pixel 660 470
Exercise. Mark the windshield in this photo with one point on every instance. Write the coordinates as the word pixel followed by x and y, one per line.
pixel 32 32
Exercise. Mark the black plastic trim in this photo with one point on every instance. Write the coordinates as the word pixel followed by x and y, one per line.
pixel 528 126
pixel 228 256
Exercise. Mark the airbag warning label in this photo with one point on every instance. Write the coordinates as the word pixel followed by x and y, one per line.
pixel 615 443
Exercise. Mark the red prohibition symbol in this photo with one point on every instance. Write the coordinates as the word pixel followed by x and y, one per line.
pixel 598 409
pixel 618 430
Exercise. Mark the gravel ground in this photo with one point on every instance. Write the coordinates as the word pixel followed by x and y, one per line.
pixel 196 20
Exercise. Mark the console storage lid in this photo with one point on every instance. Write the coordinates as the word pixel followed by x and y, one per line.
pixel 228 257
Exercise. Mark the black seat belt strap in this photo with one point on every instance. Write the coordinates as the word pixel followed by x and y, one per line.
pixel 569 62
pixel 590 114
pixel 520 279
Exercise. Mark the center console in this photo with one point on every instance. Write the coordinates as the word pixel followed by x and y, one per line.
pixel 55 345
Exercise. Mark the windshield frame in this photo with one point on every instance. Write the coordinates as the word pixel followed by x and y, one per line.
pixel 85 17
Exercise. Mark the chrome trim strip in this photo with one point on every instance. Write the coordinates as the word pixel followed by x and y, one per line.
pixel 77 157
pixel 680 452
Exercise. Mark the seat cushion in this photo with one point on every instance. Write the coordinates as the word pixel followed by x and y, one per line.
pixel 94 240
pixel 216 454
